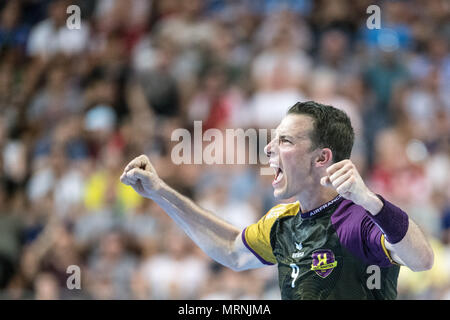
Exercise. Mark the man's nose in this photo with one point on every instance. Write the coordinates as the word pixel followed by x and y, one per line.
pixel 269 148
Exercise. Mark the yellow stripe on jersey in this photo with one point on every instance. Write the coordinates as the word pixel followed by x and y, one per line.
pixel 257 236
pixel 386 251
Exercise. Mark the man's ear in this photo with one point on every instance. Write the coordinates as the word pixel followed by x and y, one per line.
pixel 324 158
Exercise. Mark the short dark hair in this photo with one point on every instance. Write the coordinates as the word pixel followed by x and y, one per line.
pixel 331 128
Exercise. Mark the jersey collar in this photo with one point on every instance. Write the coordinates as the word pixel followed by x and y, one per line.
pixel 313 212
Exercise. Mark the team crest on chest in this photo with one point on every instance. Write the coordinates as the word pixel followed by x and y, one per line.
pixel 323 262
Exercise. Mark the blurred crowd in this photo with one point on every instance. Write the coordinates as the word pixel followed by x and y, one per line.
pixel 76 105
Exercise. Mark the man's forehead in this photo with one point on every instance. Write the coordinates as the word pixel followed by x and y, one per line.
pixel 295 125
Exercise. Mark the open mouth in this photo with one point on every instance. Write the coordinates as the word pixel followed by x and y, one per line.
pixel 278 174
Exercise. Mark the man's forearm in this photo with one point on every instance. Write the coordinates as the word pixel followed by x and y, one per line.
pixel 373 204
pixel 212 234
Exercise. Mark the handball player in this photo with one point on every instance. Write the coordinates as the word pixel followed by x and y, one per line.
pixel 325 241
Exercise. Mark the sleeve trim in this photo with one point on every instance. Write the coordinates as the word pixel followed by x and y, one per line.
pixel 253 251
pixel 386 251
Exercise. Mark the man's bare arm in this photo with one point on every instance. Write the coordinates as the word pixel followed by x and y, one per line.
pixel 217 238
pixel 413 250
pixel 408 246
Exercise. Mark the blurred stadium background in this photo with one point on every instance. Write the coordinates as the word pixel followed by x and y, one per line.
pixel 77 105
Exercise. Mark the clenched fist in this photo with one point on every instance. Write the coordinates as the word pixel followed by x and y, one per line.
pixel 346 180
pixel 141 175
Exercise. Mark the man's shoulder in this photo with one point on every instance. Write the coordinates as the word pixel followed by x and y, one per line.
pixel 349 218
pixel 348 208
pixel 283 210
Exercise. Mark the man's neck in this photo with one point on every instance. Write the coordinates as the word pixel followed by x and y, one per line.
pixel 313 199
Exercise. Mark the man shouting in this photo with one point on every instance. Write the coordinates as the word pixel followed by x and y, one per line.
pixel 323 243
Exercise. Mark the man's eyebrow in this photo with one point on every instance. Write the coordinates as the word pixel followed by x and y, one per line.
pixel 298 136
pixel 302 136
pixel 282 134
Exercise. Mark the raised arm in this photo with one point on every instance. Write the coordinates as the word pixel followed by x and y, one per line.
pixel 217 238
pixel 406 243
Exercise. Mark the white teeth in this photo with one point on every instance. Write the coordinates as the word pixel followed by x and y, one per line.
pixel 275 168
pixel 279 176
pixel 278 171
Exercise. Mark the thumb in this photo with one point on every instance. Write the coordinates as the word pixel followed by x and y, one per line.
pixel 325 181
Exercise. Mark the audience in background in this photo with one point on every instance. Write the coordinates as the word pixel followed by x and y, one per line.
pixel 77 105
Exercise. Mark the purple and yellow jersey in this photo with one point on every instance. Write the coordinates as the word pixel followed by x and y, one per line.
pixel 256 237
pixel 326 253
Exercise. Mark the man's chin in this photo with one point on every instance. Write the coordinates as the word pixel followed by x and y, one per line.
pixel 279 194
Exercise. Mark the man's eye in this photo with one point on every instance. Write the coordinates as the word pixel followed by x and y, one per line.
pixel 283 140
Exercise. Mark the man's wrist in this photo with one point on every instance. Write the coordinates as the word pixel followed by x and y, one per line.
pixel 372 203
pixel 158 190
